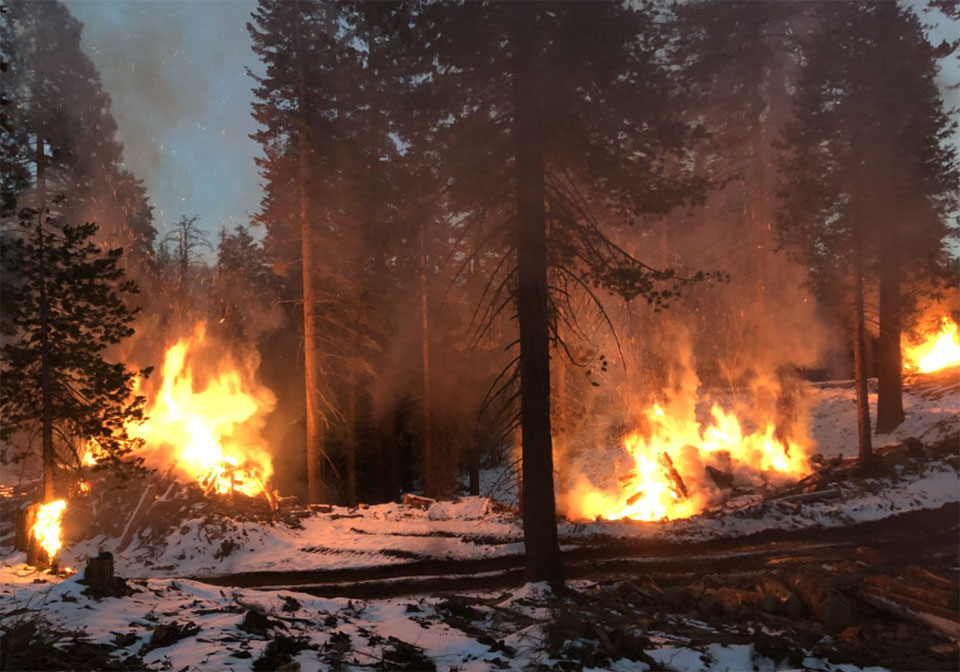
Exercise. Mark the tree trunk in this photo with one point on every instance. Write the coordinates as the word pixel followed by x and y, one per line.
pixel 316 491
pixel 351 440
pixel 860 365
pixel 561 444
pixel 46 374
pixel 385 443
pixel 430 476
pixel 889 363
pixel 473 464
pixel 539 507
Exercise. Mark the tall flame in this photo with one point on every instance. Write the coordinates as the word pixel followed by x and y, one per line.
pixel 209 430
pixel 46 528
pixel 938 350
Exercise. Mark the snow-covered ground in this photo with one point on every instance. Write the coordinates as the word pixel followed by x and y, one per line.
pixel 932 412
pixel 239 629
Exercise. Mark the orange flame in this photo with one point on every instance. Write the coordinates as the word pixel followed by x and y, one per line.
pixel 210 431
pixel 669 478
pixel 46 528
pixel 938 350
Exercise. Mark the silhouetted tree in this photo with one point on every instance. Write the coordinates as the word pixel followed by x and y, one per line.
pixel 66 301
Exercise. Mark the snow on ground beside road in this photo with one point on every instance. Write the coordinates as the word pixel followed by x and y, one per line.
pixel 236 628
pixel 342 538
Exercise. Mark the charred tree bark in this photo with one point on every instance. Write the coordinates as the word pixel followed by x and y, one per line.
pixel 430 479
pixel 311 365
pixel 46 373
pixel 860 361
pixel 539 507
pixel 889 363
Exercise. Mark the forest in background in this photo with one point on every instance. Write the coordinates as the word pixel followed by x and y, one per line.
pixel 755 192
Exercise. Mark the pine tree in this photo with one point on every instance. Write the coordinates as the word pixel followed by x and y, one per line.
pixel 547 123
pixel 867 162
pixel 55 92
pixel 65 299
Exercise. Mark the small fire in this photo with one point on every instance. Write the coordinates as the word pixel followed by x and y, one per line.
pixel 938 350
pixel 209 430
pixel 46 529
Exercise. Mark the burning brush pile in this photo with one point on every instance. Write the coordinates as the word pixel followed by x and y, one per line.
pixel 201 438
pixel 689 451
pixel 204 422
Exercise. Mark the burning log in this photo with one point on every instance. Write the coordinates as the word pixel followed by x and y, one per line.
pixel 721 478
pixel 679 486
pixel 829 607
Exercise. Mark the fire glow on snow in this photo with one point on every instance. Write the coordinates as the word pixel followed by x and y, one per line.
pixel 938 349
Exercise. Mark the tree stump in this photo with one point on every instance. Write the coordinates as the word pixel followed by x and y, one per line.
pixel 100 579
pixel 24 539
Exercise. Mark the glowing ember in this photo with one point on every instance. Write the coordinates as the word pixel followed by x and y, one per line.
pixel 210 430
pixel 938 350
pixel 46 529
pixel 672 458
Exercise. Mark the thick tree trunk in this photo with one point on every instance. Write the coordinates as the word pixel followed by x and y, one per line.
pixel 889 363
pixel 385 442
pixel 430 476
pixel 562 445
pixel 539 506
pixel 46 373
pixel 316 490
pixel 860 365
pixel 351 440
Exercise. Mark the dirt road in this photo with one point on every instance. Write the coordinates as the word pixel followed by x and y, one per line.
pixel 929 536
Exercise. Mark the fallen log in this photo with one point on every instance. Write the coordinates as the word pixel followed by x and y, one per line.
pixel 924 574
pixel 913 604
pixel 810 497
pixel 418 502
pixel 945 625
pixel 133 523
pixel 829 607
pixel 787 601
pixel 871 556
pixel 737 602
pixel 933 596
